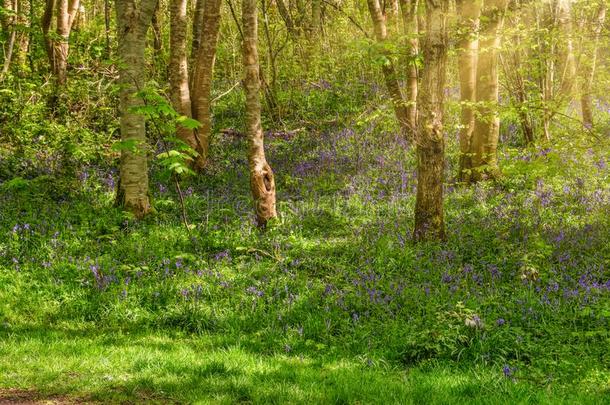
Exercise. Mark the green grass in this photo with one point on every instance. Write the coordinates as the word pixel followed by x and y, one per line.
pixel 117 366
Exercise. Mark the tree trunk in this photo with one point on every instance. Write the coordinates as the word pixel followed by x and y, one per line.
pixel 285 14
pixel 411 31
pixel 45 23
pixel 156 29
pixel 133 21
pixel 107 25
pixel 486 133
pixel 10 25
pixel 61 46
pixel 391 9
pixel 178 74
pixel 545 55
pixel 589 71
pixel 389 73
pixel 429 216
pixel 566 53
pixel 316 17
pixel 202 77
pixel 262 182
pixel 197 28
pixel 23 37
pixel 469 12
pixel 57 46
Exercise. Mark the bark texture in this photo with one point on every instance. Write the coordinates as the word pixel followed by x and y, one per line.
pixel 469 13
pixel 202 77
pixel 133 22
pixel 429 216
pixel 197 28
pixel 262 182
pixel 486 133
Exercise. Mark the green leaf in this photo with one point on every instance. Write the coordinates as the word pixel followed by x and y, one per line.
pixel 188 123
pixel 130 145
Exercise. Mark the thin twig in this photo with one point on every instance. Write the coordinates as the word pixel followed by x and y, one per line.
pixel 241 34
pixel 226 92
pixel 349 17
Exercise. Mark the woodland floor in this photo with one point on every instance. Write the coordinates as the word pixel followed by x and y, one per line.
pixel 332 304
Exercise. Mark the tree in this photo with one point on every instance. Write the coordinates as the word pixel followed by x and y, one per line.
pixel 202 77
pixel 389 73
pixel 588 71
pixel 486 132
pixel 429 216
pixel 133 21
pixel 179 75
pixel 567 60
pixel 410 28
pixel 469 12
pixel 57 44
pixel 262 182
pixel 10 24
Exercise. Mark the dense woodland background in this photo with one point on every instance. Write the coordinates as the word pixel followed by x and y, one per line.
pixel 305 201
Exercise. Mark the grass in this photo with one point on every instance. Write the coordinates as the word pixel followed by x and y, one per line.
pixel 119 366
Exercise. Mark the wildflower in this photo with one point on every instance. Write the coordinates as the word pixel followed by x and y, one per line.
pixel 474 322
pixel 500 321
pixel 222 255
pixel 254 291
pixel 601 164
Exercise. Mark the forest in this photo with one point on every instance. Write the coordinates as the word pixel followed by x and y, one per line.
pixel 304 201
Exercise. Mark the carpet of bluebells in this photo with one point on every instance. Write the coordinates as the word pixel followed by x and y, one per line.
pixel 521 287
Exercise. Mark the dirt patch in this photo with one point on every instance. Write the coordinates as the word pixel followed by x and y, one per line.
pixel 26 397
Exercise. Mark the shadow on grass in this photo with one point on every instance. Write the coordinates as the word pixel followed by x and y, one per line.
pixel 131 367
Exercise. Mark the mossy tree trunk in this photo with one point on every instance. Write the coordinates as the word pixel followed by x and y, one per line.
pixel 262 182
